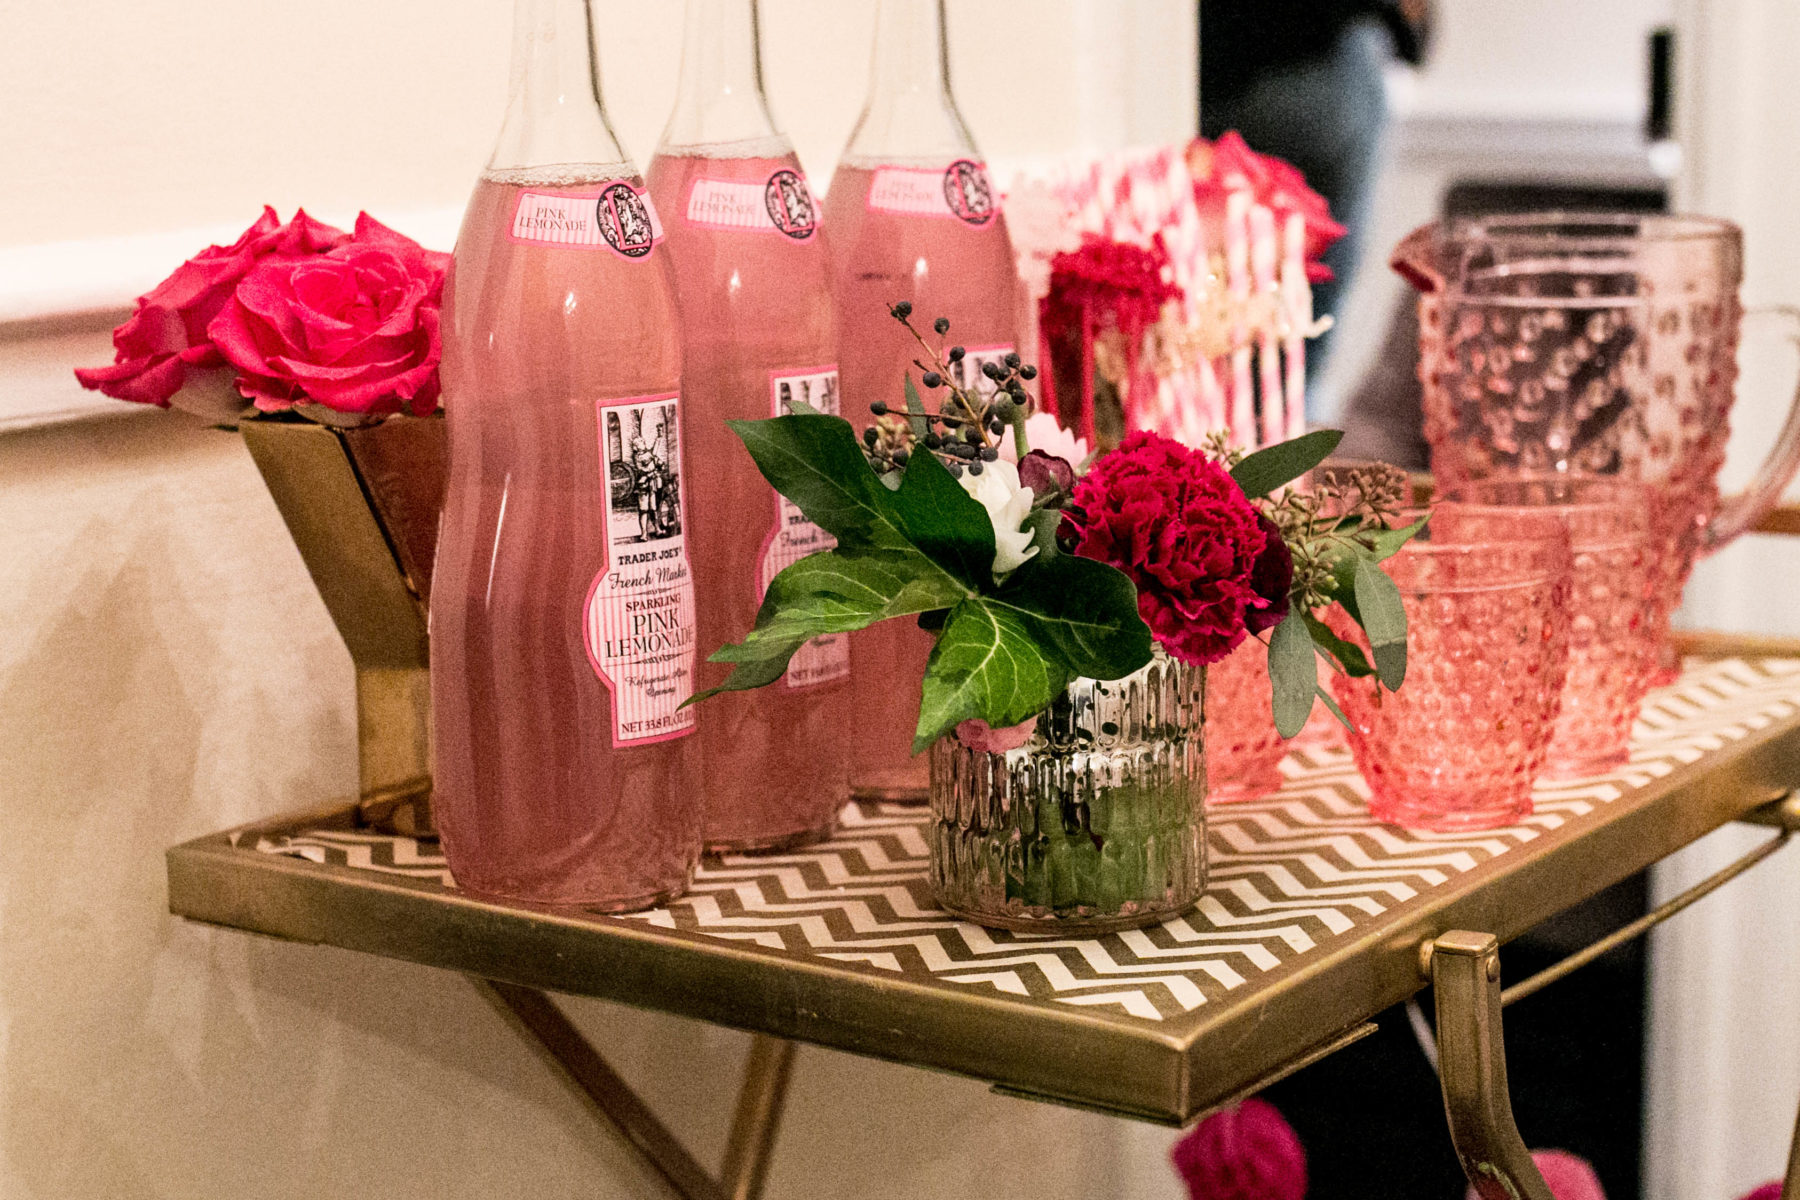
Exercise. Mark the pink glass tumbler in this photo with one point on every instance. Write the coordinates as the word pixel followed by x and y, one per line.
pixel 1617 611
pixel 1243 750
pixel 1458 746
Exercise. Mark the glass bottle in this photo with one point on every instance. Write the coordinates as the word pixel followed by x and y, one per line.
pixel 563 633
pixel 911 215
pixel 757 331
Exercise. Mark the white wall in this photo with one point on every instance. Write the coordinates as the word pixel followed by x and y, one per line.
pixel 1724 1044
pixel 166 669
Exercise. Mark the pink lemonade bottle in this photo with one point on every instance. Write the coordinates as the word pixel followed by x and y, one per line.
pixel 911 215
pixel 563 635
pixel 757 332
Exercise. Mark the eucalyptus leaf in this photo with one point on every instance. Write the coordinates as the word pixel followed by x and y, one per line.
pixel 1262 472
pixel 915 410
pixel 1292 676
pixel 1388 541
pixel 987 663
pixel 1384 620
pixel 1332 705
pixel 1348 655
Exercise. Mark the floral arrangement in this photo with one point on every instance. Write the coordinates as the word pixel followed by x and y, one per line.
pixel 299 317
pixel 1034 574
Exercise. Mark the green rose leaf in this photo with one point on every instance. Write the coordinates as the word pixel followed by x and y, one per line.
pixel 987 663
pixel 1384 620
pixel 1261 473
pixel 1292 675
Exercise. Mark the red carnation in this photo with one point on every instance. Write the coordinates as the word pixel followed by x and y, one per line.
pixel 1180 527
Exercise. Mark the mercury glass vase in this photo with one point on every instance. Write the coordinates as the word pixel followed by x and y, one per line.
pixel 1097 822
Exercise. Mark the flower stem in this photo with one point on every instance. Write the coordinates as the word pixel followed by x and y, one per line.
pixel 1020 443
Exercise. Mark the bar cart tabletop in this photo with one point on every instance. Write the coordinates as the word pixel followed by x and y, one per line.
pixel 1315 919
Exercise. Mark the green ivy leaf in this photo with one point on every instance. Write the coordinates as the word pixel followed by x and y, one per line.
pixel 838 591
pixel 1292 675
pixel 1085 610
pixel 816 462
pixel 944 521
pixel 987 663
pixel 1384 620
pixel 1261 473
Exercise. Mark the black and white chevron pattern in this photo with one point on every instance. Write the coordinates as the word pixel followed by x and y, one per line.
pixel 1287 874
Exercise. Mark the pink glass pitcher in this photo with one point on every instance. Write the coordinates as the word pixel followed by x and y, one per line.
pixel 1599 344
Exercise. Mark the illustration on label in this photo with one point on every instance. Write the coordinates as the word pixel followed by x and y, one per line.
pixel 790 204
pixel 617 216
pixel 966 372
pixel 793 537
pixel 968 193
pixel 783 204
pixel 961 190
pixel 639 624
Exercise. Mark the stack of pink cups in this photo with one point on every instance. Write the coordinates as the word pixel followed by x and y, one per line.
pixel 1534 613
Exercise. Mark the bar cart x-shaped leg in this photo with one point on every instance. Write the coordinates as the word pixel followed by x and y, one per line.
pixel 752 1126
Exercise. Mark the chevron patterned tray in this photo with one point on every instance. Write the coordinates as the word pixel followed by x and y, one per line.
pixel 1310 923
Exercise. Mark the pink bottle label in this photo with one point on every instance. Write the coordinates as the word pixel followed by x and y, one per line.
pixel 781 204
pixel 639 623
pixel 960 190
pixel 793 537
pixel 617 216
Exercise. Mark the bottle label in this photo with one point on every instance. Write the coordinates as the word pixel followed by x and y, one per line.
pixel 961 190
pixel 781 204
pixel 617 216
pixel 639 622
pixel 793 537
pixel 967 371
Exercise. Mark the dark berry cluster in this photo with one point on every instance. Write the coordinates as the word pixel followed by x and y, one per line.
pixel 962 423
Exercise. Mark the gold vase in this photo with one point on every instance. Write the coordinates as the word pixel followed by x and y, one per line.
pixel 362 506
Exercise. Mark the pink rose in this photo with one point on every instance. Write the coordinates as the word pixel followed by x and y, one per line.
pixel 354 330
pixel 164 344
pixel 977 734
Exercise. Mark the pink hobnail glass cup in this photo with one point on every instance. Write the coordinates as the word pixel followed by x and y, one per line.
pixel 1243 751
pixel 1618 613
pixel 1459 745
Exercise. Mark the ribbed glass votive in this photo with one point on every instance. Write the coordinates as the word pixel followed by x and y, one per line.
pixel 1097 822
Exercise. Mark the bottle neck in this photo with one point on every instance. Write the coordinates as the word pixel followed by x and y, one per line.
pixel 910 114
pixel 719 99
pixel 554 114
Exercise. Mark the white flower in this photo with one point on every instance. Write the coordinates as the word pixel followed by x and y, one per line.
pixel 1043 433
pixel 1008 503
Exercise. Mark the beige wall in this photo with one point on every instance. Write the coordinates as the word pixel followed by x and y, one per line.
pixel 166 669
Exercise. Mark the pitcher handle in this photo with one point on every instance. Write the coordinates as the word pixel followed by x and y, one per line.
pixel 1737 514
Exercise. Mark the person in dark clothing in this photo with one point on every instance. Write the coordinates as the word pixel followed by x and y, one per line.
pixel 1302 80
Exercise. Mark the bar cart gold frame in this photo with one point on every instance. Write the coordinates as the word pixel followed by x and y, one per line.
pixel 1172 1074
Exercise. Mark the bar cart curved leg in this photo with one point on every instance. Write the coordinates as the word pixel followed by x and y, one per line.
pixel 753 1126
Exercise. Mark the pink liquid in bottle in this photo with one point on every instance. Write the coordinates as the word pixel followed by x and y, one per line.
pixel 757 330
pixel 563 633
pixel 932 234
